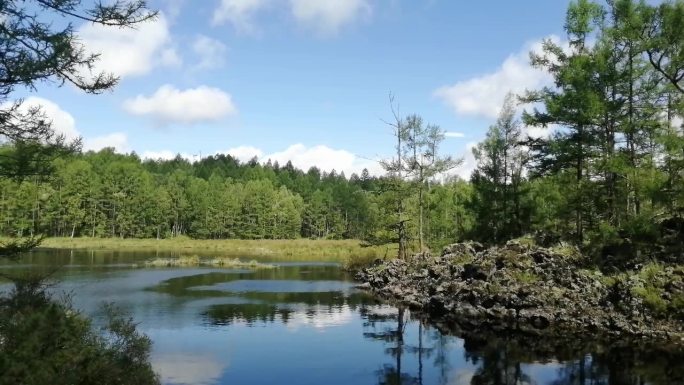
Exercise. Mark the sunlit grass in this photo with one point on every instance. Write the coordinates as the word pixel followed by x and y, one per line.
pixel 349 252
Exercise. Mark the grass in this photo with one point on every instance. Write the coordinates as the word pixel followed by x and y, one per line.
pixel 344 251
pixel 652 297
pixel 194 260
pixel 525 277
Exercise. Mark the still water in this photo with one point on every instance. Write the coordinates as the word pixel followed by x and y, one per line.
pixel 305 323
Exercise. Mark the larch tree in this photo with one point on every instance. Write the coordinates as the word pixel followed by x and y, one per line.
pixel 573 103
pixel 396 170
pixel 35 50
pixel 423 162
pixel 497 179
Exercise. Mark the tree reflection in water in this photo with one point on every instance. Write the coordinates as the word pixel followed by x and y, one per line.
pixel 511 360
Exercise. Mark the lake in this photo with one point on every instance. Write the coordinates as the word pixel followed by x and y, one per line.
pixel 306 323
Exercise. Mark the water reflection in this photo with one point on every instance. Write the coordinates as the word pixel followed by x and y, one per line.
pixel 307 324
pixel 198 369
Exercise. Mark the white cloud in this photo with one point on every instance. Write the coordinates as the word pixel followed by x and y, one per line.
pixel 238 13
pixel 328 17
pixel 117 140
pixel 62 122
pixel 211 52
pixel 167 155
pixel 484 95
pixel 169 105
pixel 130 51
pixel 245 153
pixel 469 162
pixel 303 157
pixel 454 134
pixel 325 158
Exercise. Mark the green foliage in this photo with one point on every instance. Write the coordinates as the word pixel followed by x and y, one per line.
pixel 47 342
pixel 498 181
pixel 110 195
pixel 525 277
pixel 652 297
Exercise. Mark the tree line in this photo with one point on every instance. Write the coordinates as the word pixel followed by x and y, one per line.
pixel 105 194
pixel 610 169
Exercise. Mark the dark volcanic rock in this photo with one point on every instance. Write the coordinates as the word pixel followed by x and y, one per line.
pixel 532 289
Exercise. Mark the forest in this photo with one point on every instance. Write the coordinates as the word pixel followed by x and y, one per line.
pixel 608 169
pixel 611 167
pixel 105 194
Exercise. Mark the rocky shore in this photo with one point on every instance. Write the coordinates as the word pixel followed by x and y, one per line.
pixel 535 290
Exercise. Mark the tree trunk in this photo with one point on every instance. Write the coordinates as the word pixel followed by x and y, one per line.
pixel 420 215
pixel 580 200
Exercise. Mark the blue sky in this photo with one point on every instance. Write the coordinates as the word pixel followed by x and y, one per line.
pixel 306 80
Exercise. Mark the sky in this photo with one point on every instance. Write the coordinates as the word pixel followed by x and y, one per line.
pixel 304 80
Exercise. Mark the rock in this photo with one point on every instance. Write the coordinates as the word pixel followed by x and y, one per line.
pixel 536 289
pixel 471 271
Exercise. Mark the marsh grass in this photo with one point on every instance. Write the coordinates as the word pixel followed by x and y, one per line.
pixel 348 252
pixel 194 261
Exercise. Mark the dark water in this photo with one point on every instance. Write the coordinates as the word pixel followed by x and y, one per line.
pixel 305 323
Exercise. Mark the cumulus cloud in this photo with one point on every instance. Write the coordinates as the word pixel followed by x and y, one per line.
pixel 167 155
pixel 329 16
pixel 211 52
pixel 469 162
pixel 117 140
pixel 245 153
pixel 483 95
pixel 169 105
pixel 325 158
pixel 63 123
pixel 303 157
pixel 238 13
pixel 130 51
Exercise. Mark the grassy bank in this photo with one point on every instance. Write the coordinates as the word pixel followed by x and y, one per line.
pixel 344 251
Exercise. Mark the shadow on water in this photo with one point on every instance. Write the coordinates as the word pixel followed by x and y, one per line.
pixel 307 324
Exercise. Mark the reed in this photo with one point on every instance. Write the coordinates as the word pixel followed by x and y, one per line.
pixel 342 251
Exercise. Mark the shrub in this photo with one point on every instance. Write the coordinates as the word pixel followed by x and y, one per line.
pixel 45 341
